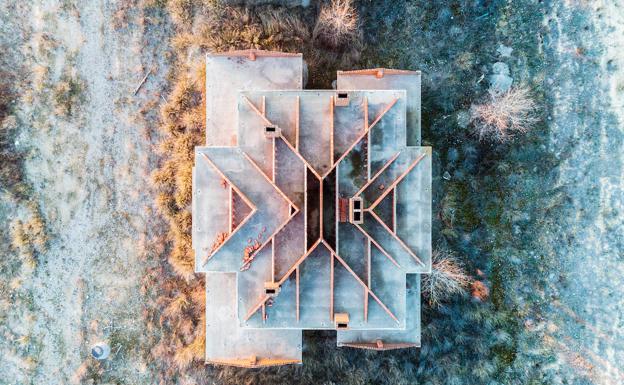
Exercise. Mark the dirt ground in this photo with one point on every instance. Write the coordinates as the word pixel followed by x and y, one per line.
pixel 88 143
pixel 90 175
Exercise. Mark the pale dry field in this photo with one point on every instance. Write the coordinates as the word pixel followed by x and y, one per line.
pixel 88 142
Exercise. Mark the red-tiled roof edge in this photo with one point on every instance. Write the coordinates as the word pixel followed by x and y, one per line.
pixel 256 52
pixel 375 71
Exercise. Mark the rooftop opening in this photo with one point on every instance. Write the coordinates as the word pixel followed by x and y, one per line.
pixel 341 320
pixel 271 131
pixel 342 99
pixel 271 288
pixel 356 214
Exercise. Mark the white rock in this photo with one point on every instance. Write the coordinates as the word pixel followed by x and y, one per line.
pixel 504 51
pixel 500 81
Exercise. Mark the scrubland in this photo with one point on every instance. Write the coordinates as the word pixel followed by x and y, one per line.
pixel 521 104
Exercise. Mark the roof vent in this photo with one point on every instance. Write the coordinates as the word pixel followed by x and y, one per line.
pixel 341 99
pixel 272 131
pixel 356 212
pixel 341 320
pixel 271 289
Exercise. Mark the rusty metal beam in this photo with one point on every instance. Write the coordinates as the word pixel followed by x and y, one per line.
pixel 372 180
pixel 395 183
pixel 377 245
pixel 396 237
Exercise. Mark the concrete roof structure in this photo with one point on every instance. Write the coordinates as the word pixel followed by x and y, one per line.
pixel 311 209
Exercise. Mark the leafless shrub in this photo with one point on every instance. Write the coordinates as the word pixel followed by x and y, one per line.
pixel 337 23
pixel 447 278
pixel 505 115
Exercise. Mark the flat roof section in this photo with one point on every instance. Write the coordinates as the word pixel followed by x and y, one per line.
pixel 229 344
pixel 390 339
pixel 389 79
pixel 229 73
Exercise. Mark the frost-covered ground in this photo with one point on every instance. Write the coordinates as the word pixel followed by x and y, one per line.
pixel 88 161
pixel 541 216
pixel 586 134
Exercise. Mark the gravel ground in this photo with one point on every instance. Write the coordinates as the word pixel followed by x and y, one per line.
pixel 89 173
pixel 587 136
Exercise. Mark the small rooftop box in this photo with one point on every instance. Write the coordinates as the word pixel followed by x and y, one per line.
pixel 341 99
pixel 271 288
pixel 341 320
pixel 272 131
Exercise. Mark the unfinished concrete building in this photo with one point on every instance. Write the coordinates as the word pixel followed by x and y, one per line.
pixel 311 209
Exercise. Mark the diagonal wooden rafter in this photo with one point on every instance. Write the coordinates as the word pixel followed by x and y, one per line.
pixel 364 285
pixel 253 163
pixel 382 113
pixel 372 180
pixel 298 154
pixel 243 196
pixel 396 237
pixel 395 183
pixel 257 111
pixel 374 242
pixel 364 134
pixel 269 239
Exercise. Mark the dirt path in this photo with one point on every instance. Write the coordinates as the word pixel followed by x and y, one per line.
pixel 90 171
pixel 586 134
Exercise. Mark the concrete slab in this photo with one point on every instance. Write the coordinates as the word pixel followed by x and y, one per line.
pixel 390 339
pixel 227 343
pixel 229 73
pixel 388 79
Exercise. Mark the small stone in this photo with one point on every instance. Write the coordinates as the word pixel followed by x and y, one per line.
pixel 446 175
pixel 500 68
pixel 504 51
pixel 500 81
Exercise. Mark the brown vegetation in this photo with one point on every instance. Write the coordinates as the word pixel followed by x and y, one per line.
pixel 447 278
pixel 505 115
pixel 479 290
pixel 337 24
pixel 68 93
pixel 180 299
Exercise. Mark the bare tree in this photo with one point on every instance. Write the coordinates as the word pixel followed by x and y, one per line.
pixel 447 278
pixel 504 115
pixel 337 23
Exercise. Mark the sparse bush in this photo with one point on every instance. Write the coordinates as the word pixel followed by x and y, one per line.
pixel 29 237
pixel 67 94
pixel 447 278
pixel 337 24
pixel 505 115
